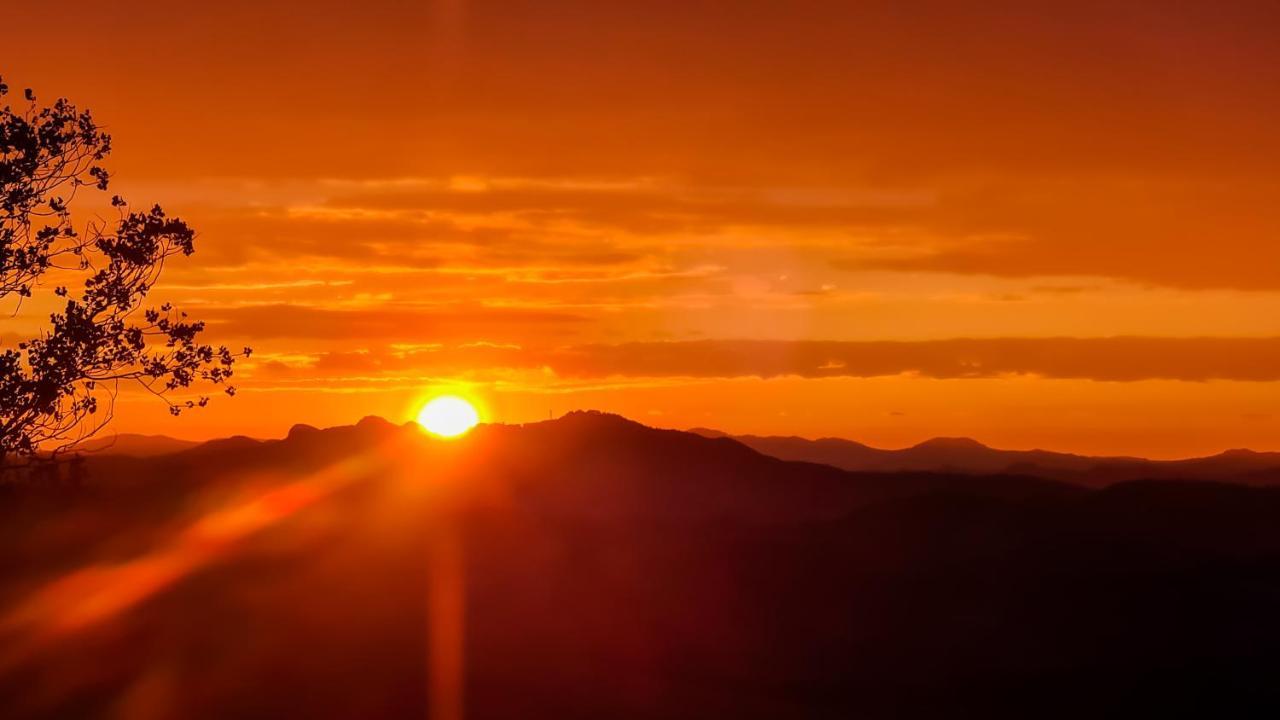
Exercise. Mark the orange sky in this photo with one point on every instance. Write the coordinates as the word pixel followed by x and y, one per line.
pixel 1034 225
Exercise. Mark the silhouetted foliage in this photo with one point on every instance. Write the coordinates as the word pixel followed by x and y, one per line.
pixel 58 387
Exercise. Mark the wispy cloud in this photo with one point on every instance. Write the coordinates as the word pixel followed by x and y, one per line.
pixel 1115 359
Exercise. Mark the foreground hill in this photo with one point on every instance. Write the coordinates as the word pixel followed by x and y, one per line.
pixel 594 567
pixel 963 455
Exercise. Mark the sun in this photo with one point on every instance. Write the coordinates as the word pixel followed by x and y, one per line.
pixel 448 416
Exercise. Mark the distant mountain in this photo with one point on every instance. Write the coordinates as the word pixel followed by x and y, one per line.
pixel 590 566
pixel 964 455
pixel 603 465
pixel 135 445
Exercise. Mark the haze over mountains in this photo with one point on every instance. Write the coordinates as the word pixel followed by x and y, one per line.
pixel 941 455
pixel 134 445
pixel 964 455
pixel 600 568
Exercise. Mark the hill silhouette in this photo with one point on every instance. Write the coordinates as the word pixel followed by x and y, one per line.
pixel 135 445
pixel 604 568
pixel 950 455
pixel 965 455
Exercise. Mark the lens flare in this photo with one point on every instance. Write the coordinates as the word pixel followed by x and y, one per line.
pixel 448 416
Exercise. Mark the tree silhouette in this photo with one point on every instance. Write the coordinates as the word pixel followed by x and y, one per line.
pixel 58 387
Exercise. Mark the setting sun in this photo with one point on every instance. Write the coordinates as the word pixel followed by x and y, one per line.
pixel 448 416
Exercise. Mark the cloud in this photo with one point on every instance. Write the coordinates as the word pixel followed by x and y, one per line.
pixel 1107 359
pixel 1117 359
pixel 387 324
pixel 653 207
pixel 1175 231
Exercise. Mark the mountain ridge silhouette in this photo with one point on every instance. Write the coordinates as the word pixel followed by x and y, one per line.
pixel 961 455
pixel 967 455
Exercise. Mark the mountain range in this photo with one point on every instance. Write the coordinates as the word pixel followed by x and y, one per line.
pixel 591 566
pixel 964 455
pixel 954 455
pixel 134 445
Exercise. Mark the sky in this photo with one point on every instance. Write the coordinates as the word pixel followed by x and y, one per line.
pixel 1036 224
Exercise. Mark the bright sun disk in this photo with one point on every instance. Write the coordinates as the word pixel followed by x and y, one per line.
pixel 448 416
